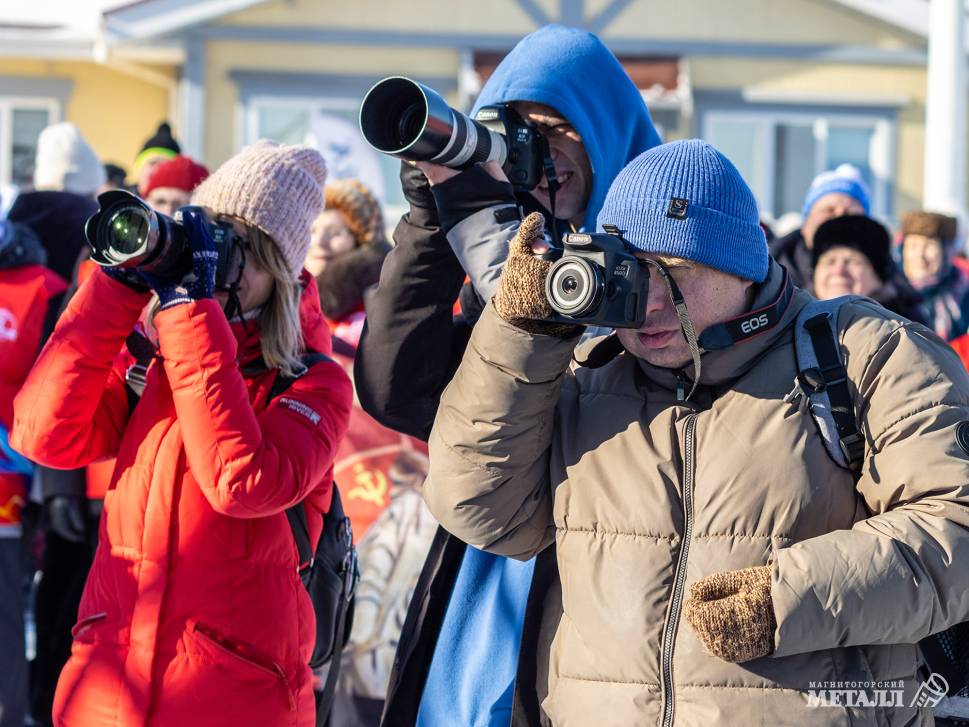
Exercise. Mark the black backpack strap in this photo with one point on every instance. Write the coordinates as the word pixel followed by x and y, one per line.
pixel 143 351
pixel 301 534
pixel 297 513
pixel 831 377
pixel 283 382
pixel 325 701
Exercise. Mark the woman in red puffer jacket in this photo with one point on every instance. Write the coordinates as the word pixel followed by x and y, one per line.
pixel 194 613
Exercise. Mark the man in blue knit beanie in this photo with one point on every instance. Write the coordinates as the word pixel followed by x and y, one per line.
pixel 834 193
pixel 718 566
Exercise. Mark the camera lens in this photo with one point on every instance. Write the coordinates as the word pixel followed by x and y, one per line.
pixel 128 230
pixel 574 286
pixel 410 125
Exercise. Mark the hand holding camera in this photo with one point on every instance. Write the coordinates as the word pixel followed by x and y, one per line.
pixel 199 283
pixel 521 299
pixel 182 259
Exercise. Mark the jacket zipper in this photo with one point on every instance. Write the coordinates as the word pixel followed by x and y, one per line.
pixel 248 656
pixel 669 631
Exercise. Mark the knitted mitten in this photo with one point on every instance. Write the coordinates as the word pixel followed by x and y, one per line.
pixel 520 299
pixel 200 282
pixel 732 613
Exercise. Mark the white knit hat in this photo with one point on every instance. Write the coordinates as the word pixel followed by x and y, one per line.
pixel 65 162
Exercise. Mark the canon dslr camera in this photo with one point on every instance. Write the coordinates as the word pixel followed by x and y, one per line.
pixel 410 121
pixel 126 233
pixel 596 280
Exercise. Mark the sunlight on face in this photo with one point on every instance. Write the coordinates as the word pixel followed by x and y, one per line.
pixel 844 271
pixel 711 297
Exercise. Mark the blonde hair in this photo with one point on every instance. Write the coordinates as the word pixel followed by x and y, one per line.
pixel 281 334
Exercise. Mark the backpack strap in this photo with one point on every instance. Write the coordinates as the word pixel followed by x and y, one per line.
pixel 822 377
pixel 297 513
pixel 142 351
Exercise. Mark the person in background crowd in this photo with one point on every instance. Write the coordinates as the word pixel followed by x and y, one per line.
pixel 171 183
pixel 154 151
pixel 927 249
pixel 194 611
pixel 832 194
pixel 380 471
pixel 27 288
pixel 114 178
pixel 488 613
pixel 346 252
pixel 67 176
pixel 852 255
pixel 716 563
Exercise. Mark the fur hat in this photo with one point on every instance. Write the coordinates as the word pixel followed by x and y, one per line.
pixel 860 233
pixel 360 209
pixel 275 187
pixel 930 224
pixel 65 162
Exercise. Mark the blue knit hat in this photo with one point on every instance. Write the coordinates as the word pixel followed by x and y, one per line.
pixel 687 200
pixel 846 179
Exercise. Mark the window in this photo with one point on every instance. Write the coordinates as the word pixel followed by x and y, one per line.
pixel 21 121
pixel 780 153
pixel 329 125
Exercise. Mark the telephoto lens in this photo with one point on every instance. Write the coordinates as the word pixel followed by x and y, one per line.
pixel 408 120
pixel 126 233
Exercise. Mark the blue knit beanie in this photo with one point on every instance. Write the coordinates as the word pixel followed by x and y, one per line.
pixel 846 179
pixel 687 200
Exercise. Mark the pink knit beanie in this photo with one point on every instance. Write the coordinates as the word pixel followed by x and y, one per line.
pixel 274 187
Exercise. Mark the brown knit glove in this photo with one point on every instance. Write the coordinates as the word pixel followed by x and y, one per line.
pixel 733 615
pixel 520 299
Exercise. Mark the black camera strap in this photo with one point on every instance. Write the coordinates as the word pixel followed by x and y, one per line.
pixel 553 184
pixel 686 325
pixel 750 324
pixel 233 306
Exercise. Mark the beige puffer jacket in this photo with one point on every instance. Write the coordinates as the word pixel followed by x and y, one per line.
pixel 644 495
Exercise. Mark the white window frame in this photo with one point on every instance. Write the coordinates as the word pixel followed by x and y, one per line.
pixel 313 104
pixel 8 104
pixel 305 103
pixel 881 159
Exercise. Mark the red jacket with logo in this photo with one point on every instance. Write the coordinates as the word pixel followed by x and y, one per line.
pixel 193 612
pixel 25 293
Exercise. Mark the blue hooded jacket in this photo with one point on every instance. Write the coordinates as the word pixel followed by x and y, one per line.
pixel 573 72
pixel 471 679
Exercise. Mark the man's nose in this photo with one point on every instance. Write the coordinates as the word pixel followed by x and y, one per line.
pixel 657 298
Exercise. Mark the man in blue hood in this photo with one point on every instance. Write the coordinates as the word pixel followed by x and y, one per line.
pixel 473 646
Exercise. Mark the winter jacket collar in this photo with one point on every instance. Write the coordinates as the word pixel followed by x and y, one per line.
pixel 316 334
pixel 720 368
